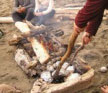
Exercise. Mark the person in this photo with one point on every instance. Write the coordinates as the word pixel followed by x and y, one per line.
pixel 89 18
pixel 41 13
pixel 19 13
pixel 104 89
pixel 20 9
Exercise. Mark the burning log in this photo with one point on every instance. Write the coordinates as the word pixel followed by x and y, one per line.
pixel 23 60
pixel 72 40
pixel 38 48
pixel 40 51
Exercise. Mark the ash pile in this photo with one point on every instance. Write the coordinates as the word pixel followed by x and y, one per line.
pixel 42 55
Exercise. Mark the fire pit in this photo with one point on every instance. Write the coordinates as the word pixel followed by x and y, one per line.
pixel 41 59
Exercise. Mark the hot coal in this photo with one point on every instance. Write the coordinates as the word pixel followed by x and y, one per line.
pixel 59 33
pixel 58 79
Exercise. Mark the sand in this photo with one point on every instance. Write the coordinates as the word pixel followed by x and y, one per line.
pixel 95 53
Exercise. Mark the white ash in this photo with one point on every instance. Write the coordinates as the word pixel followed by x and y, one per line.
pixel 70 69
pixel 56 64
pixel 73 76
pixel 46 76
pixel 34 58
pixel 62 72
pixel 50 68
pixel 65 65
pixel 53 73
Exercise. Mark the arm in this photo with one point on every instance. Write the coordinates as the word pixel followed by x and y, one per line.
pixel 29 4
pixel 16 5
pixel 93 25
pixel 50 7
pixel 36 6
pixel 90 16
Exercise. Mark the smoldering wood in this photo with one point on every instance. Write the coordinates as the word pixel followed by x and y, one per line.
pixel 71 43
pixel 23 60
pixel 39 50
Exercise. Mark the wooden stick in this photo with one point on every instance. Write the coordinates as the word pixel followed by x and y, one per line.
pixel 72 40
pixel 76 52
pixel 40 51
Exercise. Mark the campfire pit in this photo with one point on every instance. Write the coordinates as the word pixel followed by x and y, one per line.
pixel 72 77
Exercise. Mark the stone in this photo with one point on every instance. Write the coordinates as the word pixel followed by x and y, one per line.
pixel 65 65
pixel 46 76
pixel 56 64
pixel 62 72
pixel 50 68
pixel 70 69
pixel 73 76
pixel 103 69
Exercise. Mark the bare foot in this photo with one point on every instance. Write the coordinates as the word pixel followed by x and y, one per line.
pixel 104 89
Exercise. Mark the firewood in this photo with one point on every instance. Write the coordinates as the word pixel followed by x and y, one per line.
pixel 23 27
pixel 15 40
pixel 39 50
pixel 71 43
pixel 23 60
pixel 6 20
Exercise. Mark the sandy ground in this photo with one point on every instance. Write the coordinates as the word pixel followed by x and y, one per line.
pixel 96 53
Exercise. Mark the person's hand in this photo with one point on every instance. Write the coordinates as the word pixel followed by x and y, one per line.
pixel 86 38
pixel 104 89
pixel 19 10
pixel 23 9
pixel 38 13
pixel 78 29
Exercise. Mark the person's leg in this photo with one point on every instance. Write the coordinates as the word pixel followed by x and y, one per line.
pixel 18 16
pixel 30 14
pixel 51 14
pixel 44 18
